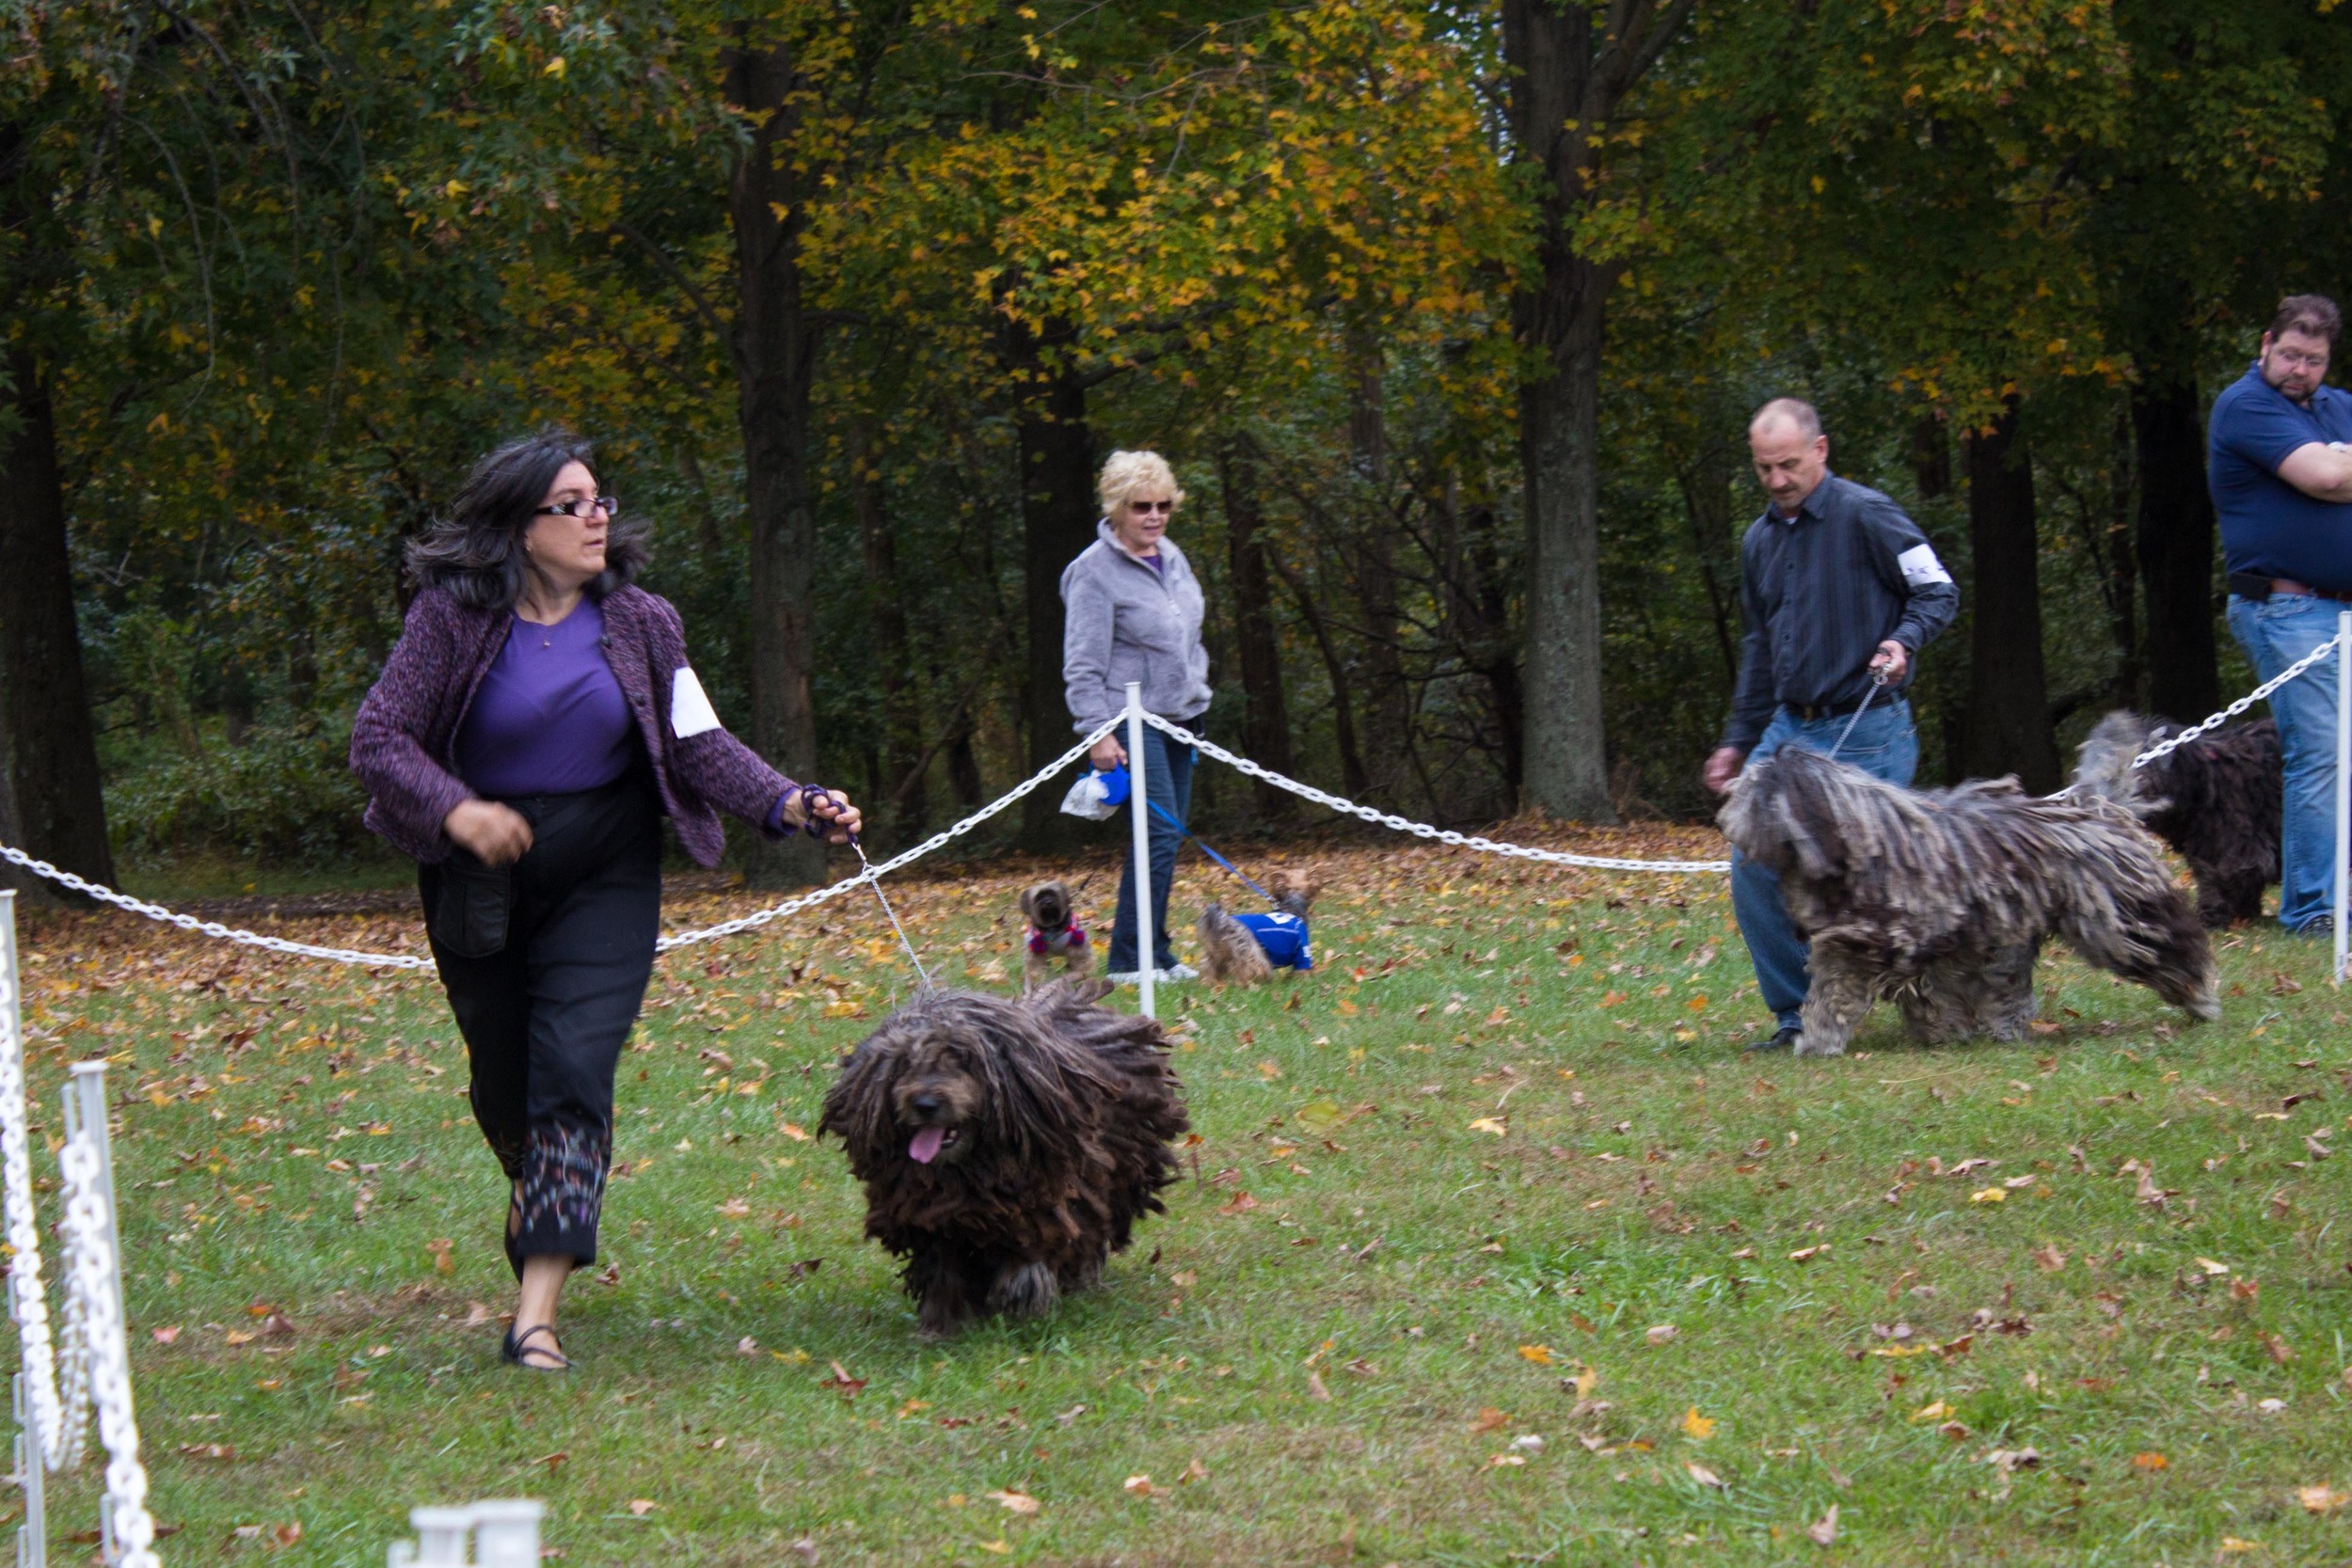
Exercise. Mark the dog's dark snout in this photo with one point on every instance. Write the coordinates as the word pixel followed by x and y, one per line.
pixel 925 1105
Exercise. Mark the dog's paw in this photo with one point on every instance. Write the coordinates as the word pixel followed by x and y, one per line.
pixel 1814 1045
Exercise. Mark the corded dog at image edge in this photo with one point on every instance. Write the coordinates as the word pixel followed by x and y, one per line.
pixel 1940 899
pixel 2217 801
pixel 1008 1144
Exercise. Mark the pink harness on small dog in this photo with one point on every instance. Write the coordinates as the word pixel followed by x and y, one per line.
pixel 1070 936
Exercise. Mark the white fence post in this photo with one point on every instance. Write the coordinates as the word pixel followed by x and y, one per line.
pixel 2344 780
pixel 500 1534
pixel 1145 973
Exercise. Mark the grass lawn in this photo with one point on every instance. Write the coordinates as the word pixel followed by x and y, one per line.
pixel 1500 1251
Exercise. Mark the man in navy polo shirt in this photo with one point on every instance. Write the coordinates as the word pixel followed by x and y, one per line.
pixel 2281 470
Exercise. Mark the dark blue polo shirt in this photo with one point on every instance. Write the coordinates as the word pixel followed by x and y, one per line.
pixel 2268 528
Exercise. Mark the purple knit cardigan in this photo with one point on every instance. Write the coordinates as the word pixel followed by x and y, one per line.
pixel 404 742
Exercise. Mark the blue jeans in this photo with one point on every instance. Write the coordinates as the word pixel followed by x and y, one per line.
pixel 1168 784
pixel 1883 745
pixel 2275 632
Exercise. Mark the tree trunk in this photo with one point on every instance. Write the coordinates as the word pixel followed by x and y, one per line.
pixel 1353 776
pixel 2009 699
pixel 1372 555
pixel 1057 517
pixel 775 363
pixel 902 754
pixel 1265 716
pixel 2176 538
pixel 1707 503
pixel 1567 78
pixel 50 802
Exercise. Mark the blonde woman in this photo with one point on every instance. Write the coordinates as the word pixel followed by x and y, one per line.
pixel 1132 612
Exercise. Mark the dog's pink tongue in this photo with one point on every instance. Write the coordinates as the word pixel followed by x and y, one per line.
pixel 925 1149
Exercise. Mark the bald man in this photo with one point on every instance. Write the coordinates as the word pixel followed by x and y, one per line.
pixel 1839 592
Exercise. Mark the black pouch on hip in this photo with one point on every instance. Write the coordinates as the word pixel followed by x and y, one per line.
pixel 470 911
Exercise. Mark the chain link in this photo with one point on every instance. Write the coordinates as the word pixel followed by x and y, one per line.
pixel 1420 830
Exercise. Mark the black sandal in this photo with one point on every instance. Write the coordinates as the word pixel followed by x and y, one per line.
pixel 513 1353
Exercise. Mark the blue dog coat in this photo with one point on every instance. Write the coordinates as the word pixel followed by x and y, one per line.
pixel 1284 937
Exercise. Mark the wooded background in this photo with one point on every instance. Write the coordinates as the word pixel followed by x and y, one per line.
pixel 1449 315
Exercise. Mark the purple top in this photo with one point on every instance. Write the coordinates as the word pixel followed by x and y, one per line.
pixel 548 717
pixel 404 739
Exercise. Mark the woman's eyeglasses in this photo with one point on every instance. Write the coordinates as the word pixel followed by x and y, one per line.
pixel 609 505
pixel 1150 506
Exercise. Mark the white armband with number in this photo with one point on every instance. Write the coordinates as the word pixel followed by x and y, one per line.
pixel 1920 567
pixel 690 712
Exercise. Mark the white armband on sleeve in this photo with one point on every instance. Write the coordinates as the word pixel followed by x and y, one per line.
pixel 690 712
pixel 1920 567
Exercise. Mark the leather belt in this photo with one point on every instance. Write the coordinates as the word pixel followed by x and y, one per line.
pixel 1811 711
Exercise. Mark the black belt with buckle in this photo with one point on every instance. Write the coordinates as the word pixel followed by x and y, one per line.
pixel 1811 711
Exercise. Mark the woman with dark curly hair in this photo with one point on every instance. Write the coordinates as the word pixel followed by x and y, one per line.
pixel 533 724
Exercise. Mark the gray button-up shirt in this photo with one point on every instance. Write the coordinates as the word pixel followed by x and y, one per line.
pixel 1125 620
pixel 1819 592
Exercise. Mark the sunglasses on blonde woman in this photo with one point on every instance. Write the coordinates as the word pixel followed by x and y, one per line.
pixel 1150 506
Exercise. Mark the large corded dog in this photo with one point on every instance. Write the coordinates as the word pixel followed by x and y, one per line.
pixel 2217 801
pixel 1940 899
pixel 1008 1143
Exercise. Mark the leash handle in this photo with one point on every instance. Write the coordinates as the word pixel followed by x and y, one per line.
pixel 1878 682
pixel 810 823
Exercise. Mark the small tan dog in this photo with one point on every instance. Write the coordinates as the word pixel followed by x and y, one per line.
pixel 1054 934
pixel 1246 949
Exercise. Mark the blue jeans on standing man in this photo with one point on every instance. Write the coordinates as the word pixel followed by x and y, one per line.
pixel 1883 745
pixel 1167 783
pixel 2275 632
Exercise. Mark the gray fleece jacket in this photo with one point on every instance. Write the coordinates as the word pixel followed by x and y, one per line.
pixel 1123 621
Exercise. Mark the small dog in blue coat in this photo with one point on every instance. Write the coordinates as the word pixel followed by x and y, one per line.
pixel 1246 949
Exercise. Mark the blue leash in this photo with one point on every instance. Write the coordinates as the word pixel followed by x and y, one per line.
pixel 1169 817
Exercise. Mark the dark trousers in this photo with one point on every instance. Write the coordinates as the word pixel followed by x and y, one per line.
pixel 544 1018
pixel 1167 783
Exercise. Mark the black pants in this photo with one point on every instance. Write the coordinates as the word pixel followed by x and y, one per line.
pixel 544 1017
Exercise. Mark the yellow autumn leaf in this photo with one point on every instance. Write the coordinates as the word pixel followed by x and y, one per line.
pixel 1696 1427
pixel 1935 1411
pixel 553 68
pixel 1540 1355
pixel 1489 1124
pixel 1988 1195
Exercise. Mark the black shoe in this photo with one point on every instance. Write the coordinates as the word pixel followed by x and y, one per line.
pixel 2317 925
pixel 511 1350
pixel 1784 1039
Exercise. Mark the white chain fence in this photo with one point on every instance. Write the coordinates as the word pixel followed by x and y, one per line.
pixel 89 1364
pixel 2174 743
pixel 682 939
pixel 1608 863
pixel 793 906
pixel 1420 830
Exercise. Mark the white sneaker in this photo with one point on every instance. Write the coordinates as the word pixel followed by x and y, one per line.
pixel 1175 974
pixel 1126 976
